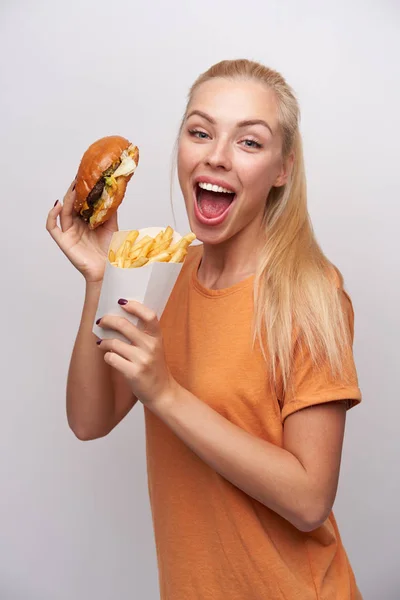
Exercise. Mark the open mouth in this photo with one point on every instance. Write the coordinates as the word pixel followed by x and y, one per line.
pixel 213 202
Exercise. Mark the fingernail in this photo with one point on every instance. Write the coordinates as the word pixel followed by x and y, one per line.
pixel 98 321
pixel 99 342
pixel 122 301
pixel 73 187
pixel 55 203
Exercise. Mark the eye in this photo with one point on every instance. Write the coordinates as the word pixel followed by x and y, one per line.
pixel 251 143
pixel 201 135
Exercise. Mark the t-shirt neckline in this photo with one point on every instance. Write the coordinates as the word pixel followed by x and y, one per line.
pixel 220 293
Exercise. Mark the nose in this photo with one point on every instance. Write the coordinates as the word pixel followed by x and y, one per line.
pixel 218 156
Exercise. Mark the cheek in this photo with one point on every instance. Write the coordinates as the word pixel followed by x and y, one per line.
pixel 259 174
pixel 184 169
pixel 180 162
pixel 186 158
pixel 187 162
pixel 257 180
pixel 183 165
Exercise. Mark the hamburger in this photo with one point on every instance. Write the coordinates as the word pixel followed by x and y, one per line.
pixel 104 172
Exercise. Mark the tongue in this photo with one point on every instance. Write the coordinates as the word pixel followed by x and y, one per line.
pixel 213 204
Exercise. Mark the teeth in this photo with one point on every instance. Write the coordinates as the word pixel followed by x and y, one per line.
pixel 214 188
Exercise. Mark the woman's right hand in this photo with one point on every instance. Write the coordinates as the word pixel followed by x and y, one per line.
pixel 85 248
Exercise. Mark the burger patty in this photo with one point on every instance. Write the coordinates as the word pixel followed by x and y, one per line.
pixel 95 194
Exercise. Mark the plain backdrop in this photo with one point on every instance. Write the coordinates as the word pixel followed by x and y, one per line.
pixel 75 520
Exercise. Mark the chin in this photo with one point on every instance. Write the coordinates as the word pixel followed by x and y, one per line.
pixel 210 236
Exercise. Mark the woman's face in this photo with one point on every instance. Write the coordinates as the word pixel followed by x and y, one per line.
pixel 231 141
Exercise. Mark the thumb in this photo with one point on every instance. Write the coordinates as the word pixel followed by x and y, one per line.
pixel 112 223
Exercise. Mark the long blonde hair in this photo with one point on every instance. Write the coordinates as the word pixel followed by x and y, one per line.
pixel 297 299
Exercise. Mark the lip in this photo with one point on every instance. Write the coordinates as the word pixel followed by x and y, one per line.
pixel 216 220
pixel 214 181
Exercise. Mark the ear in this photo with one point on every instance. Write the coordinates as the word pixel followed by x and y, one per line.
pixel 285 171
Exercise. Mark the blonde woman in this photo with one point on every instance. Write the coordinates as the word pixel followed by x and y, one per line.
pixel 246 380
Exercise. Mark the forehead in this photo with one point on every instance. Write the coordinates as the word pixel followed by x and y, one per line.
pixel 232 100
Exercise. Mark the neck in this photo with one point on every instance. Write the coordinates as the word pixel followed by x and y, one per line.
pixel 226 264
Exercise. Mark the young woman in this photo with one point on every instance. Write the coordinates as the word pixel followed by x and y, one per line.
pixel 247 378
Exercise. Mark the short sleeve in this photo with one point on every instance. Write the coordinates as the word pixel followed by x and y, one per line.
pixel 312 384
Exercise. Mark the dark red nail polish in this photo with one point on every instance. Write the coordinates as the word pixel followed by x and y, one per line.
pixel 122 301
pixel 98 321
pixel 55 203
pixel 99 342
pixel 73 187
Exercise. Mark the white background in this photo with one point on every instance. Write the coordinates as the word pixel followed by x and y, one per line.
pixel 74 517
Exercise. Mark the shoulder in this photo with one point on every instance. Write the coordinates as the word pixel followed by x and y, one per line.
pixel 178 297
pixel 335 276
pixel 194 252
pixel 193 257
pixel 189 264
pixel 347 305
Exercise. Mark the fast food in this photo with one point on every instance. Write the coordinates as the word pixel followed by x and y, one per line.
pixel 104 172
pixel 134 254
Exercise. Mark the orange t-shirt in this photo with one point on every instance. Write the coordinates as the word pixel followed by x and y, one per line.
pixel 213 541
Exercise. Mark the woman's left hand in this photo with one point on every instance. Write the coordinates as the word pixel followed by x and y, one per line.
pixel 142 361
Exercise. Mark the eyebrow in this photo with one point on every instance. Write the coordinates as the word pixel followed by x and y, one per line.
pixel 246 123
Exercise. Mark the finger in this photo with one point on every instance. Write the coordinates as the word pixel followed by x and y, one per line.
pixel 146 315
pixel 112 223
pixel 119 363
pixel 123 326
pixel 51 223
pixel 123 349
pixel 68 211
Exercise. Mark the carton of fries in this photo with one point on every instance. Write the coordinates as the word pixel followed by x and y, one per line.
pixel 143 265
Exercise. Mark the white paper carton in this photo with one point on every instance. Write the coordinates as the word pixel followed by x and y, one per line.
pixel 151 285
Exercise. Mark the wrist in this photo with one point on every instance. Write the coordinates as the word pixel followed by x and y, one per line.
pixel 165 402
pixel 91 301
pixel 93 287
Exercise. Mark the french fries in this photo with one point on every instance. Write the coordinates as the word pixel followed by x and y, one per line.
pixel 133 254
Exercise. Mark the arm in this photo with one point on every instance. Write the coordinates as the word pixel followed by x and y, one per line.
pixel 98 397
pixel 298 481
